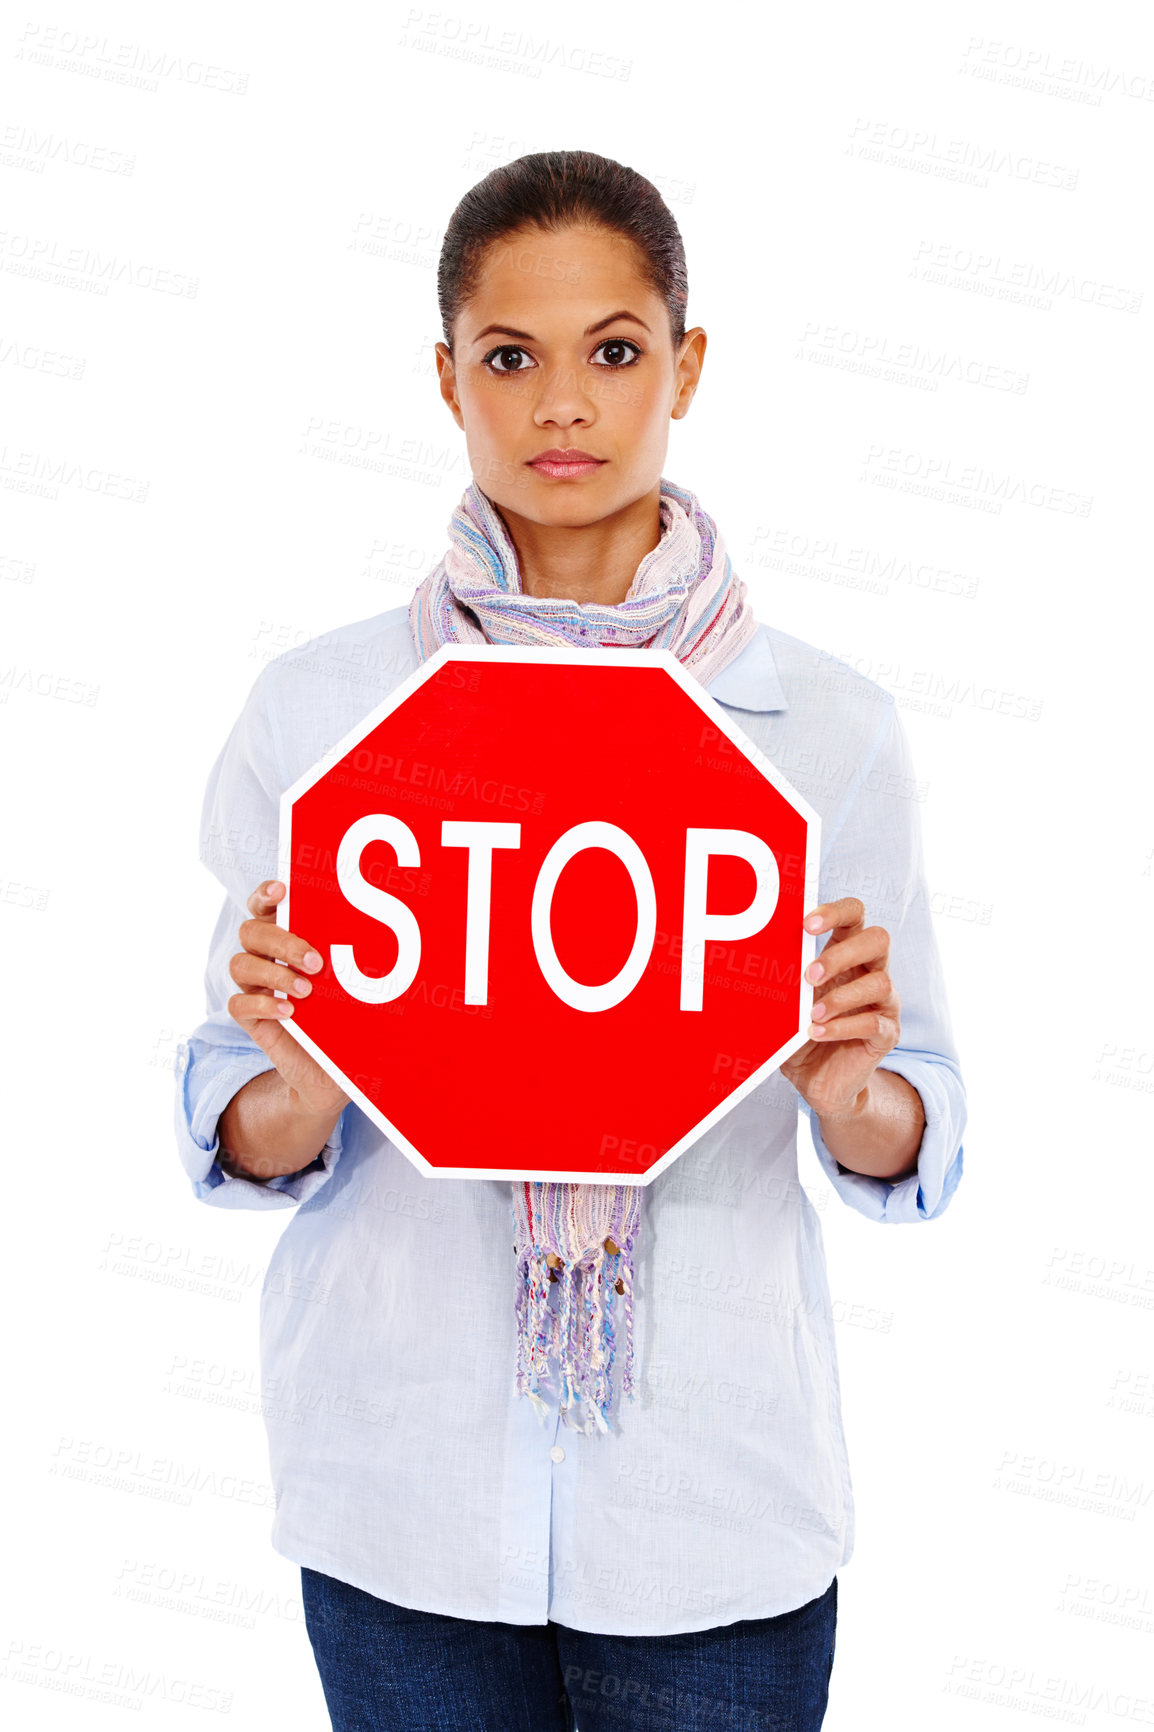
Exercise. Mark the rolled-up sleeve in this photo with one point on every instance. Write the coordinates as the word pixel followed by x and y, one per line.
pixel 876 854
pixel 238 844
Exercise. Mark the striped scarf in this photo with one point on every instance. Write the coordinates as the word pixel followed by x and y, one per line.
pixel 685 598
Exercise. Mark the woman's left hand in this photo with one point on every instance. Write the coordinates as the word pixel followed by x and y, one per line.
pixel 856 1012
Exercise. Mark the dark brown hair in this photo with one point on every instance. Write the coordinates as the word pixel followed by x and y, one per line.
pixel 555 189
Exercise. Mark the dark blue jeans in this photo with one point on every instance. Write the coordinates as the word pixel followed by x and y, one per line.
pixel 385 1668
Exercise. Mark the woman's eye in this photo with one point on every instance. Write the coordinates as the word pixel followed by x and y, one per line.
pixel 511 358
pixel 504 352
pixel 620 355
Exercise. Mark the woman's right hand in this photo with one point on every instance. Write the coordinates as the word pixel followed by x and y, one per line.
pixel 259 971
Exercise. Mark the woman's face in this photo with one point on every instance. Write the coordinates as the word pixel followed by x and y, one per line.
pixel 564 347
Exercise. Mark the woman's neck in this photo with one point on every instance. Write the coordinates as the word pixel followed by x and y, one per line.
pixel 586 562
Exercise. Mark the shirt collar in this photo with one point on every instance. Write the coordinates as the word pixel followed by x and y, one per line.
pixel 751 681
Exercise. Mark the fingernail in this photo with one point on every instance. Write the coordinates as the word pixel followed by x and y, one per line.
pixel 815 1029
pixel 275 886
pixel 814 923
pixel 283 1007
pixel 312 961
pixel 818 1012
pixel 301 987
pixel 814 972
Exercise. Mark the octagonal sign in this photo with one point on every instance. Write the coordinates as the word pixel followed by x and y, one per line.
pixel 560 897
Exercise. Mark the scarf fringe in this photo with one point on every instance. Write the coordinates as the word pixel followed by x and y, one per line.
pixel 561 1243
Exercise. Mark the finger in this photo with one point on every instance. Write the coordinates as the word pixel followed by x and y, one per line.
pixel 865 948
pixel 848 911
pixel 262 939
pixel 254 974
pixel 250 1008
pixel 873 987
pixel 295 1065
pixel 879 1031
pixel 262 903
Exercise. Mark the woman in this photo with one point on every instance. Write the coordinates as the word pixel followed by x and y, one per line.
pixel 470 1557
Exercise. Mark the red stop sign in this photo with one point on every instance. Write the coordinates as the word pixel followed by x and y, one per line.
pixel 560 900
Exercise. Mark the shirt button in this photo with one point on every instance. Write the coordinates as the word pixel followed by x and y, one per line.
pixel 557 1453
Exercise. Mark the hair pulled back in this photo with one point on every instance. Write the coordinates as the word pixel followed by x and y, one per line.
pixel 556 189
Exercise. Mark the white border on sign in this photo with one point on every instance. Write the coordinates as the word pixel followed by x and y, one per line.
pixel 564 657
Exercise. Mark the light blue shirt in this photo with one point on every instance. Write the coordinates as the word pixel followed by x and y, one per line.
pixel 403 1462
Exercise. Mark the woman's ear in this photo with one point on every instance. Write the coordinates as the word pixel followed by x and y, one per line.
pixel 687 373
pixel 447 377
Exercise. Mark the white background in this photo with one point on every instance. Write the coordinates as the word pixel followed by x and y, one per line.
pixel 891 215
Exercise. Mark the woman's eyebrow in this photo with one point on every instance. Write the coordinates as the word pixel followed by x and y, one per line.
pixel 508 330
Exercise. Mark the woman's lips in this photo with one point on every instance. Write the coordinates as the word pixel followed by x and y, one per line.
pixel 565 465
